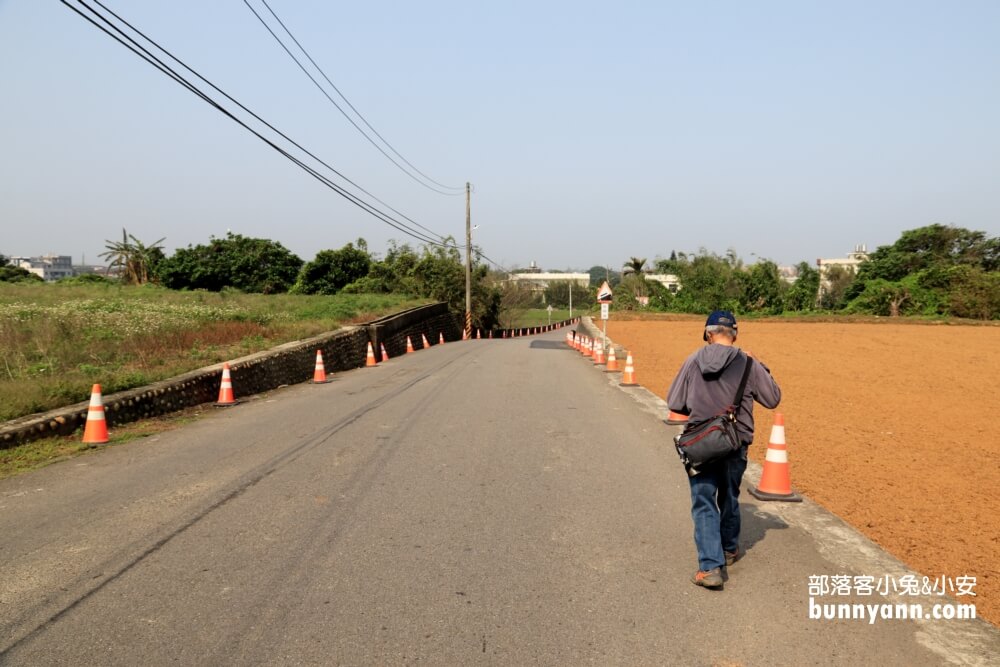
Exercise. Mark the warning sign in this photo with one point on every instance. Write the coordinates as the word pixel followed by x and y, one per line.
pixel 604 293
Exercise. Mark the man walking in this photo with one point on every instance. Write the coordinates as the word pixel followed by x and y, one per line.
pixel 704 387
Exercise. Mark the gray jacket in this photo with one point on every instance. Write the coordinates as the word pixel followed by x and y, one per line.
pixel 708 380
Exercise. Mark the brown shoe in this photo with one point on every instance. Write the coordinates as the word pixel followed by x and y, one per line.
pixel 732 557
pixel 709 579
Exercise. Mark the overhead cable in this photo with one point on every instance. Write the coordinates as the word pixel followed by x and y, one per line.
pixel 440 189
pixel 130 42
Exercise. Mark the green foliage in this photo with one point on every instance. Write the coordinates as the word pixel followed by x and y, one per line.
pixel 932 270
pixel 15 274
pixel 557 295
pixel 837 287
pixel 134 261
pixel 332 270
pixel 801 295
pixel 87 279
pixel 248 264
pixel 598 274
pixel 761 289
pixel 708 281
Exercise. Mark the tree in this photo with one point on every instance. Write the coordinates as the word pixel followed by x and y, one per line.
pixel 598 274
pixel 933 270
pixel 247 264
pixel 135 261
pixel 635 266
pixel 708 282
pixel 834 287
pixel 332 270
pixel 802 294
pixel 557 295
pixel 761 288
pixel 16 274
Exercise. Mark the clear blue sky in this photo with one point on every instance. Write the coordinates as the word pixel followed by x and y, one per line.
pixel 591 131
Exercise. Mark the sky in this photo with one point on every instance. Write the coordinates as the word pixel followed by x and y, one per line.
pixel 592 132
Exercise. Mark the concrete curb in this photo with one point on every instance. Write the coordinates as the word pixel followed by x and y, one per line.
pixel 967 642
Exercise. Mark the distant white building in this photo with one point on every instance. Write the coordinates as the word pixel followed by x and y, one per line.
pixel 850 263
pixel 540 281
pixel 46 267
pixel 668 280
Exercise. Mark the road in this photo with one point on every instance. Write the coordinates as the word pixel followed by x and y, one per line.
pixel 485 502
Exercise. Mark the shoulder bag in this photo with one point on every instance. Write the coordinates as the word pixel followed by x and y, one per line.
pixel 701 444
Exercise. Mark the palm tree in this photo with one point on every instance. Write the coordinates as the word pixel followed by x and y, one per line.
pixel 635 265
pixel 133 259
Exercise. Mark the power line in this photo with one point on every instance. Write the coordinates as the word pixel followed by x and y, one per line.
pixel 134 46
pixel 455 190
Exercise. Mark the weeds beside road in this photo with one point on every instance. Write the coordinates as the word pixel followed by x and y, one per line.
pixel 56 341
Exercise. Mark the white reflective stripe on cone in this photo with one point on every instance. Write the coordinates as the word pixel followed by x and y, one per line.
pixel 776 455
pixel 777 434
pixel 95 416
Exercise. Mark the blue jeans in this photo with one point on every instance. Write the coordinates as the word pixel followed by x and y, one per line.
pixel 715 509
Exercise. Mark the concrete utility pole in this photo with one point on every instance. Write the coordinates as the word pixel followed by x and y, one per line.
pixel 468 262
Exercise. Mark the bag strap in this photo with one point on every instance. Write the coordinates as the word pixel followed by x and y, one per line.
pixel 738 401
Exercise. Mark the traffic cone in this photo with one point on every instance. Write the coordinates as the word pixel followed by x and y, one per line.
pixel 96 430
pixel 440 338
pixel 385 355
pixel 319 374
pixel 409 345
pixel 776 481
pixel 569 339
pixel 599 354
pixel 423 339
pixel 479 334
pixel 628 377
pixel 676 418
pixel 612 365
pixel 226 397
pixel 491 334
pixel 370 359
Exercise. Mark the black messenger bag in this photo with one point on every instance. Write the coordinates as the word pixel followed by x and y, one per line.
pixel 701 444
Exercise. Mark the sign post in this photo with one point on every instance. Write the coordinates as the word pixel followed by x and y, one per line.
pixel 604 298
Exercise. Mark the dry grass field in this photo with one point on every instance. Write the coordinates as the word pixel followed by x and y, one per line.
pixel 889 425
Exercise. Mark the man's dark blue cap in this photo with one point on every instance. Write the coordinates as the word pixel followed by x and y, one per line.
pixel 722 318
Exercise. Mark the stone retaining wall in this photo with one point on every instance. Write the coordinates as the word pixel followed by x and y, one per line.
pixel 286 364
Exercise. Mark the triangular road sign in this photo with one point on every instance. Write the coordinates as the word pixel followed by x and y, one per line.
pixel 604 293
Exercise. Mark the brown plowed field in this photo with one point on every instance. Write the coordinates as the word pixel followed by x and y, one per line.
pixel 890 426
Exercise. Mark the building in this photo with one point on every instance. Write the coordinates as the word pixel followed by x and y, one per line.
pixel 668 280
pixel 850 263
pixel 47 267
pixel 539 281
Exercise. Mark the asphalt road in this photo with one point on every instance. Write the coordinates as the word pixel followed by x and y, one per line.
pixel 486 502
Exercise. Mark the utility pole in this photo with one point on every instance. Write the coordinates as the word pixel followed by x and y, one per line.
pixel 468 262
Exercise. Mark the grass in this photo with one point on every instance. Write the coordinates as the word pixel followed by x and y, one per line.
pixel 58 340
pixel 536 317
pixel 40 453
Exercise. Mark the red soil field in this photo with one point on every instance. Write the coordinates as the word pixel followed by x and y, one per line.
pixel 888 426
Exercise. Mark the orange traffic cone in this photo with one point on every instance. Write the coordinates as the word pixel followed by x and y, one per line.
pixel 96 430
pixel 491 334
pixel 628 377
pixel 599 354
pixel 569 339
pixel 385 355
pixel 370 359
pixel 440 338
pixel 409 345
pixel 423 339
pixel 226 397
pixel 319 373
pixel 775 481
pixel 676 418
pixel 612 366
pixel 479 334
